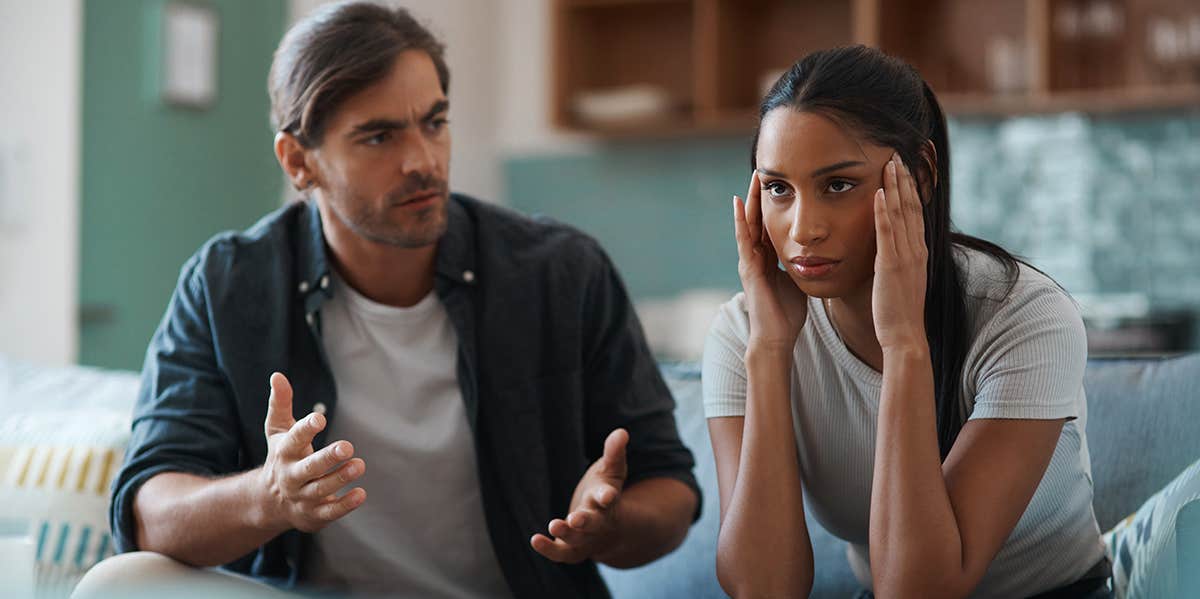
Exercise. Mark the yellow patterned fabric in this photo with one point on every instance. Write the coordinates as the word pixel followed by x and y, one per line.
pixel 62 440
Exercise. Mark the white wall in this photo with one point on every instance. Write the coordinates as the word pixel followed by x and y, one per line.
pixel 468 29
pixel 525 62
pixel 498 52
pixel 40 105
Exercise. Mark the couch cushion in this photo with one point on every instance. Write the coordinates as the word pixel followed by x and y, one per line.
pixel 1142 418
pixel 61 442
pixel 1142 428
pixel 690 571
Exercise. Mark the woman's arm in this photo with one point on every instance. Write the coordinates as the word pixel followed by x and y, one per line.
pixel 935 528
pixel 763 549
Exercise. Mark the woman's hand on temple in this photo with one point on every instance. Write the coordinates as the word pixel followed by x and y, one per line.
pixel 901 257
pixel 776 305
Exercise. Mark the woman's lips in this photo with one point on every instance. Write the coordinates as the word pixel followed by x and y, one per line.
pixel 812 267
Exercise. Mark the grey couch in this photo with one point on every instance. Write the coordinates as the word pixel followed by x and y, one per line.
pixel 1143 430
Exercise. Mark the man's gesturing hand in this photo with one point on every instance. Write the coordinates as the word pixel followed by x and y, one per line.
pixel 299 486
pixel 590 529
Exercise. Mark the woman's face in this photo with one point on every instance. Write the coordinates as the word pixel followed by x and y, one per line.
pixel 818 183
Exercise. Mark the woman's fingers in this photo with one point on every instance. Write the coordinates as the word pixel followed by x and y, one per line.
pixel 895 205
pixel 754 219
pixel 914 211
pixel 741 232
pixel 885 241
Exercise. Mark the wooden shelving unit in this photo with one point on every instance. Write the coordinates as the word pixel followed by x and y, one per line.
pixel 707 61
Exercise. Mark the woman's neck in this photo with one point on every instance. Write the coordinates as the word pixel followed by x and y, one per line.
pixel 853 320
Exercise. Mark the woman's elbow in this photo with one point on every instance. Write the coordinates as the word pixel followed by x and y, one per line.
pixel 741 581
pixel 928 586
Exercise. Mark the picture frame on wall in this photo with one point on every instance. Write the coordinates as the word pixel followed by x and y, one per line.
pixel 190 35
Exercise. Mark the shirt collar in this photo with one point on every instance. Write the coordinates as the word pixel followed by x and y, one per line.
pixel 455 259
pixel 456 249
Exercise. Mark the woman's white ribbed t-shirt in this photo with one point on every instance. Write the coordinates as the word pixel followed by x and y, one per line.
pixel 1025 360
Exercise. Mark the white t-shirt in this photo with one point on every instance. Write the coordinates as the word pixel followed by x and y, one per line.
pixel 1026 360
pixel 421 531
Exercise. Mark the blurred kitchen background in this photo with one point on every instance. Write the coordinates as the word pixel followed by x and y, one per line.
pixel 133 130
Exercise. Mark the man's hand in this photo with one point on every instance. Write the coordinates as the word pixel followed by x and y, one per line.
pixel 589 530
pixel 299 486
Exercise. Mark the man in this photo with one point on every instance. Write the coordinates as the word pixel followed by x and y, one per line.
pixel 479 378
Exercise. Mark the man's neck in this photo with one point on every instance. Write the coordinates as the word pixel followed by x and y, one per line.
pixel 389 275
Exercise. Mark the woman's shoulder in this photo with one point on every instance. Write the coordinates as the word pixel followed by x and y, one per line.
pixel 988 279
pixel 999 299
pixel 732 319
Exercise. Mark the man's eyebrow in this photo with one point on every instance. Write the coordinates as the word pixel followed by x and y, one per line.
pixel 438 107
pixel 383 124
pixel 376 125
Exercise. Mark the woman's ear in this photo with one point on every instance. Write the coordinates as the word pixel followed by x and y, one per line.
pixel 927 174
pixel 295 161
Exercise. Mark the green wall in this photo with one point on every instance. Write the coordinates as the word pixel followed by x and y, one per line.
pixel 159 180
pixel 1105 204
pixel 662 210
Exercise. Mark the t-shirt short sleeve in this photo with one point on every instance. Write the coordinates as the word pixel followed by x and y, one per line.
pixel 723 373
pixel 1030 357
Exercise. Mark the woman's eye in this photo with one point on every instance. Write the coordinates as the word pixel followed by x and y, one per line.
pixel 840 186
pixel 776 189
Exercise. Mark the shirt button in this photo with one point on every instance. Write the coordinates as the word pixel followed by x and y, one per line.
pixel 325 282
pixel 303 286
pixel 309 319
pixel 468 276
pixel 319 407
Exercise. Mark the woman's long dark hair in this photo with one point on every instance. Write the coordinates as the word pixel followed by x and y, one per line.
pixel 886 100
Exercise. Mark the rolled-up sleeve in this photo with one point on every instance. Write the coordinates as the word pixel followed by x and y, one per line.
pixel 184 419
pixel 1032 358
pixel 624 388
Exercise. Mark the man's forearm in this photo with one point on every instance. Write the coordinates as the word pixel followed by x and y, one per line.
pixel 202 521
pixel 652 519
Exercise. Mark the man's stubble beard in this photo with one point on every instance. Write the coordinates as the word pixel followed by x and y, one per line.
pixel 424 228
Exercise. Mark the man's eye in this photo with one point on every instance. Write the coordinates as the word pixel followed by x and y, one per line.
pixel 377 139
pixel 438 124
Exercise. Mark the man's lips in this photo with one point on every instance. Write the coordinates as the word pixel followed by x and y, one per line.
pixel 420 198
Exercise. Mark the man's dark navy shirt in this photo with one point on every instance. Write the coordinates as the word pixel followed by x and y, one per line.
pixel 551 359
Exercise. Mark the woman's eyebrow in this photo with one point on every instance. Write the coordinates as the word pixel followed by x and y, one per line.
pixel 817 173
pixel 836 167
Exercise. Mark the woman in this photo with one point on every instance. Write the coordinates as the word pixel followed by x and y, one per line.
pixel 921 389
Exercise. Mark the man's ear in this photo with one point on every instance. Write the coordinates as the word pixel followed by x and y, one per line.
pixel 927 174
pixel 295 160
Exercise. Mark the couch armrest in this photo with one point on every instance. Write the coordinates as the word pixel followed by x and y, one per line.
pixel 1187 547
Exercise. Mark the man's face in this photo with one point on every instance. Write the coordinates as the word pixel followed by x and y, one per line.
pixel 383 162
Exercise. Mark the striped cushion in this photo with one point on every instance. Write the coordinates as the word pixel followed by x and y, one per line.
pixel 62 440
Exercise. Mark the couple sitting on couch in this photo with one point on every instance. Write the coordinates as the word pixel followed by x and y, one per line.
pixel 480 383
